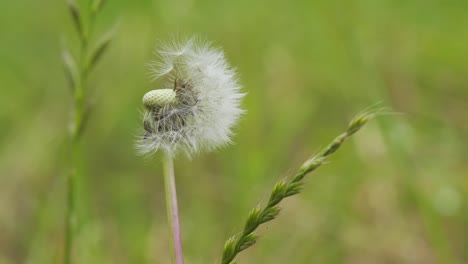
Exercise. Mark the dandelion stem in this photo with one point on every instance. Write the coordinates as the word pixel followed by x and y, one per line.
pixel 172 208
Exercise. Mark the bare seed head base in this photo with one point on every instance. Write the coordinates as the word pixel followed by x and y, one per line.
pixel 195 109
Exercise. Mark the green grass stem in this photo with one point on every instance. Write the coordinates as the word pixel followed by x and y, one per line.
pixel 285 188
pixel 77 72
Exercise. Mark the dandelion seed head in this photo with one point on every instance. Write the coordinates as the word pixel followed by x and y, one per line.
pixel 198 103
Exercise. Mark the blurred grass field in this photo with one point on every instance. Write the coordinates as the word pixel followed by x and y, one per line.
pixel 396 193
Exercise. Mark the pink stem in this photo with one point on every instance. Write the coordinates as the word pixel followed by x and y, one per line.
pixel 173 209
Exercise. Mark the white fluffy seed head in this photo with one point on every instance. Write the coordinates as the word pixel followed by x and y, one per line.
pixel 159 98
pixel 202 107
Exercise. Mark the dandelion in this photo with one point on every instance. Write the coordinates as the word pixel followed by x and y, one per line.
pixel 198 104
pixel 194 110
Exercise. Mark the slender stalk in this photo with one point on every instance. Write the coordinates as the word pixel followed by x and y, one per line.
pixel 70 217
pixel 76 131
pixel 77 72
pixel 172 208
pixel 285 188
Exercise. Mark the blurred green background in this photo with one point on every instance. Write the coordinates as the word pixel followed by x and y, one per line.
pixel 395 193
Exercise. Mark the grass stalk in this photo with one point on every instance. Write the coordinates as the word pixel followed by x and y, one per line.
pixel 75 134
pixel 172 209
pixel 77 71
pixel 70 213
pixel 285 188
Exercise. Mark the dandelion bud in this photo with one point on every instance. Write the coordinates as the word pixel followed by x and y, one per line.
pixel 159 98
